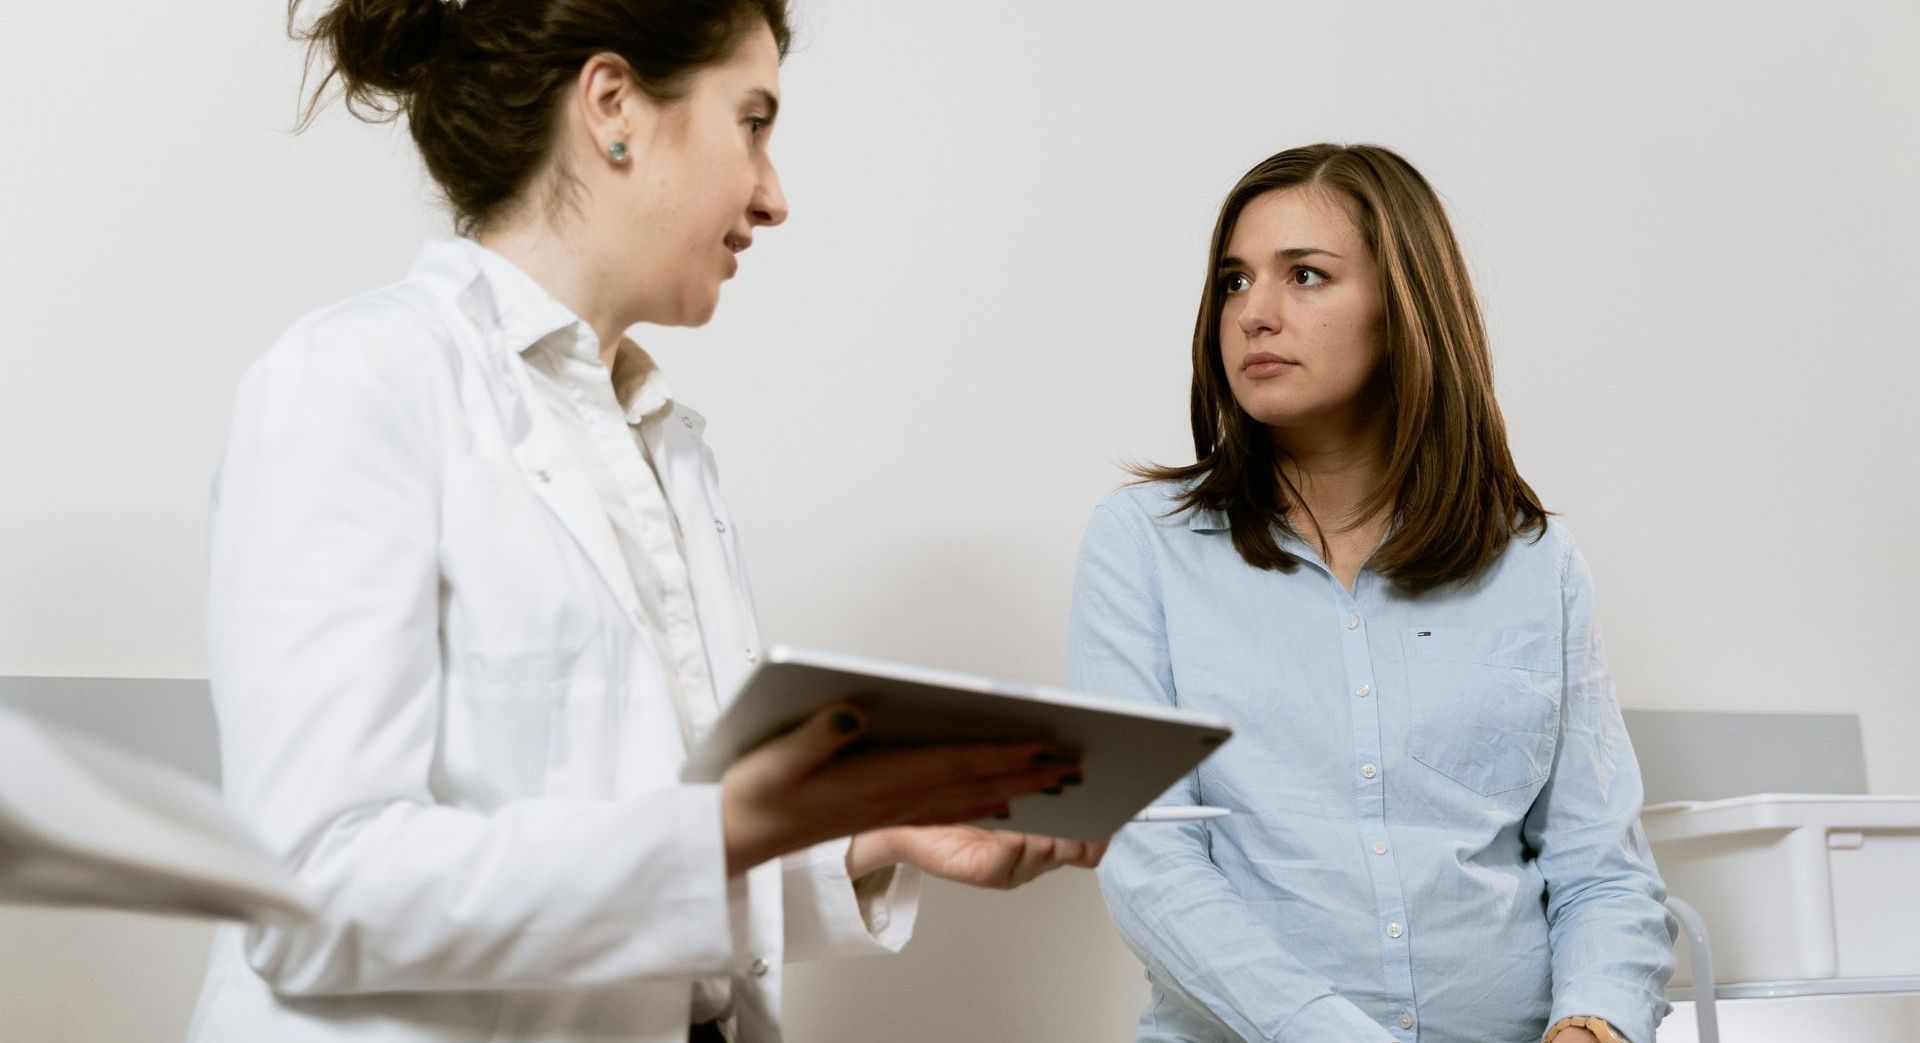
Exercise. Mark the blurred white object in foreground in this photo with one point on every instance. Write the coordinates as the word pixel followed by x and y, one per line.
pixel 85 824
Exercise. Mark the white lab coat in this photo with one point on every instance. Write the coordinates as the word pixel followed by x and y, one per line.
pixel 438 704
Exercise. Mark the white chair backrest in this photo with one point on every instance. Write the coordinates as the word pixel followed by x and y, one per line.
pixel 1689 755
pixel 170 721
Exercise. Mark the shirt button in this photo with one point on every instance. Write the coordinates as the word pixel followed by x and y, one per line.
pixel 543 476
pixel 719 526
pixel 1353 622
pixel 1368 771
pixel 759 968
pixel 1379 847
pixel 1394 930
pixel 752 656
pixel 687 420
pixel 1363 691
pixel 1406 1021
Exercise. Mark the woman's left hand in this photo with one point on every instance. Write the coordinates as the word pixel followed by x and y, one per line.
pixel 971 855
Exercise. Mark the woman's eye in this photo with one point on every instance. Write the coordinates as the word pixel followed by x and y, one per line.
pixel 1308 277
pixel 756 125
pixel 1234 282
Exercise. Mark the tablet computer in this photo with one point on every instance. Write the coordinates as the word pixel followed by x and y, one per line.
pixel 1129 753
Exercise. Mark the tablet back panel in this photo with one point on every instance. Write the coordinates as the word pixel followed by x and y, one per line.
pixel 1129 753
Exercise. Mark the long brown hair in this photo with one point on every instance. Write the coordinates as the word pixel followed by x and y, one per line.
pixel 1455 497
pixel 478 80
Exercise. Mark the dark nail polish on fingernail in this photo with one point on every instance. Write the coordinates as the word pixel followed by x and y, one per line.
pixel 1070 780
pixel 1053 791
pixel 1003 814
pixel 1043 758
pixel 845 723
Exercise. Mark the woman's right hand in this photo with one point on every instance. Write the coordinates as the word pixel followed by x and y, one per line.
pixel 797 790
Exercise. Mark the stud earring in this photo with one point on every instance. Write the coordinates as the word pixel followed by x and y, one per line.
pixel 618 152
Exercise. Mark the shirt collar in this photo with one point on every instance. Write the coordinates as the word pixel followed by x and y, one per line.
pixel 497 294
pixel 1206 519
pixel 639 384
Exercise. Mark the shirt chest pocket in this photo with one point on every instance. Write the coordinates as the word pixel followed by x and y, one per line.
pixel 1485 704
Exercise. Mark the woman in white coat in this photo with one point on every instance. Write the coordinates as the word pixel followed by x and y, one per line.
pixel 474 589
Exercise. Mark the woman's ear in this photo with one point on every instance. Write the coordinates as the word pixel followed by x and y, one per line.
pixel 610 106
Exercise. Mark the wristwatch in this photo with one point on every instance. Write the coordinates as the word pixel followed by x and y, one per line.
pixel 1598 1026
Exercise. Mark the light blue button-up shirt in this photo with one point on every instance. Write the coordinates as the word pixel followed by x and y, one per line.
pixel 1434 831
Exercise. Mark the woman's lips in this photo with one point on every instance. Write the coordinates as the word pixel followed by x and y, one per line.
pixel 735 244
pixel 1261 364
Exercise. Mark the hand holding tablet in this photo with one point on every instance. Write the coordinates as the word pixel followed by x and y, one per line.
pixel 1129 753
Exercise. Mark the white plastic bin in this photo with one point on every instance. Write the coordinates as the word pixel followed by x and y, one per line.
pixel 1797 886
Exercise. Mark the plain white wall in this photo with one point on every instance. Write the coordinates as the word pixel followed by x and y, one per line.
pixel 1696 230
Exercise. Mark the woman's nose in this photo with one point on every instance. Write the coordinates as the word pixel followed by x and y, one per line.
pixel 769 206
pixel 1260 314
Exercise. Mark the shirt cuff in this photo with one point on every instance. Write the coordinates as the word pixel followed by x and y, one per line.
pixel 1333 1019
pixel 827 916
pixel 1631 1012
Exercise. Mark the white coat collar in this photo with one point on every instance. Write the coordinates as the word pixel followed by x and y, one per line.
pixel 501 298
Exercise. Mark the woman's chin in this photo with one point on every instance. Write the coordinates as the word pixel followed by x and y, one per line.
pixel 1276 412
pixel 694 311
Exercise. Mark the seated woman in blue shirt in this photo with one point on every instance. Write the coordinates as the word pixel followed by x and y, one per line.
pixel 1434 829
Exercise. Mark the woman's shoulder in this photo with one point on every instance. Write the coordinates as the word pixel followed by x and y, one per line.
pixel 383 361
pixel 1555 542
pixel 1155 509
pixel 395 334
pixel 1548 554
pixel 1155 502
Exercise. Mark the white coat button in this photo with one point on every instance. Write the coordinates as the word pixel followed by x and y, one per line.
pixel 752 656
pixel 1353 622
pixel 1368 771
pixel 687 420
pixel 1363 691
pixel 1406 1021
pixel 1394 930
pixel 1379 847
pixel 719 526
pixel 543 476
pixel 759 968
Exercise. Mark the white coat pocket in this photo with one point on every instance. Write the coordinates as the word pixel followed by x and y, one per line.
pixel 1486 704
pixel 520 610
pixel 518 604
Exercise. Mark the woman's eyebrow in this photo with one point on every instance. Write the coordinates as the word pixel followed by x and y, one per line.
pixel 1294 253
pixel 1291 253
